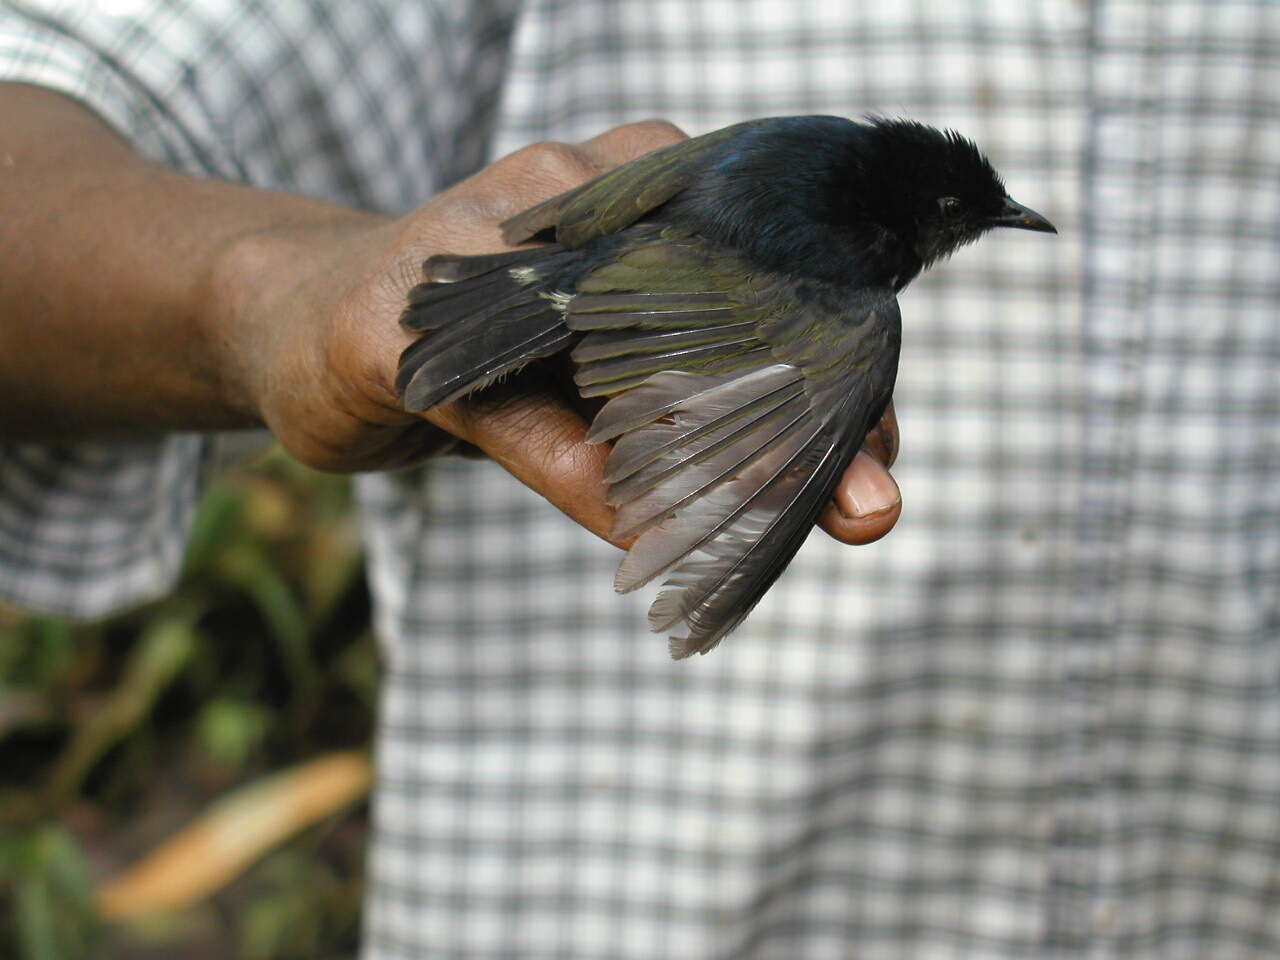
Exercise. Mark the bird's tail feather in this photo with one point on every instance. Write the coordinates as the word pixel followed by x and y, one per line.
pixel 482 318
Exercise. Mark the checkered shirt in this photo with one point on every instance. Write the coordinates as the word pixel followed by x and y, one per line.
pixel 1041 719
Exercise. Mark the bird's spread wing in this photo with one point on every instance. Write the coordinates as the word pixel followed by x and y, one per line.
pixel 617 199
pixel 738 398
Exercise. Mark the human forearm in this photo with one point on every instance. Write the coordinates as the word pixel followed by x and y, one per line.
pixel 113 283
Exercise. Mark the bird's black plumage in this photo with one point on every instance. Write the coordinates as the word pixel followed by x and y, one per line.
pixel 733 296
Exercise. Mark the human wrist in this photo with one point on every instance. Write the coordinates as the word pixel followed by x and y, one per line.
pixel 261 285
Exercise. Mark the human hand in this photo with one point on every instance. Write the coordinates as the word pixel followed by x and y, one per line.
pixel 311 329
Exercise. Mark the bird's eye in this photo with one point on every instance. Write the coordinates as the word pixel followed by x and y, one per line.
pixel 950 206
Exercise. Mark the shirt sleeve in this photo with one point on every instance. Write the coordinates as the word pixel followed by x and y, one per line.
pixel 376 104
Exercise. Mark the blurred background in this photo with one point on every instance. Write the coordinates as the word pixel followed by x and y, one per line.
pixel 191 778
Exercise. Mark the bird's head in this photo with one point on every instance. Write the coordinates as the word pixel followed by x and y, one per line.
pixel 848 202
pixel 939 192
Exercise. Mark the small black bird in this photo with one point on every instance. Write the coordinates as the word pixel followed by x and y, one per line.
pixel 734 296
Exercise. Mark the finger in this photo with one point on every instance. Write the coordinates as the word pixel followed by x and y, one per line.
pixel 541 441
pixel 615 147
pixel 883 440
pixel 511 184
pixel 866 503
pixel 473 209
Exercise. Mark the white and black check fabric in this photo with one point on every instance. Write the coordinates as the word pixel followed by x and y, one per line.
pixel 1041 719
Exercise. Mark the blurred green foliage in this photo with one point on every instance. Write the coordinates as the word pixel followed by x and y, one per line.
pixel 115 735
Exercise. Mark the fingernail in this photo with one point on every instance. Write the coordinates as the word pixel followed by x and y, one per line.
pixel 868 489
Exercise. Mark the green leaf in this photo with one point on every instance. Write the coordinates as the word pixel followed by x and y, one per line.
pixel 229 730
pixel 52 894
pixel 163 649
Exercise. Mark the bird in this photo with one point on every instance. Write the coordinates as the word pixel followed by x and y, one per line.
pixel 732 301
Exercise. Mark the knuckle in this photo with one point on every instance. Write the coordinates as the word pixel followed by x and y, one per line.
pixel 456 222
pixel 657 129
pixel 552 159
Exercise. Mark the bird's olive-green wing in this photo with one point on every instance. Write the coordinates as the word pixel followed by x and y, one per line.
pixel 738 398
pixel 622 196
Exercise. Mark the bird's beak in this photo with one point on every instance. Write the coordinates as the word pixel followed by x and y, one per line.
pixel 1024 218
